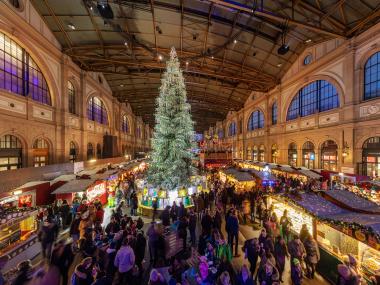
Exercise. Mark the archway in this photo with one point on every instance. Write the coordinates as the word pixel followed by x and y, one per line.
pixel 40 152
pixel 292 154
pixel 371 157
pixel 308 155
pixel 10 152
pixel 329 155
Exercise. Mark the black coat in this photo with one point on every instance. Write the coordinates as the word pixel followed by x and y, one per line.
pixel 165 218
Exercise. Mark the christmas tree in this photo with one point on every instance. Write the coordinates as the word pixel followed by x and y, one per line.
pixel 171 158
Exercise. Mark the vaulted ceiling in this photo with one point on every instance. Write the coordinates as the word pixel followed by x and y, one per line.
pixel 227 48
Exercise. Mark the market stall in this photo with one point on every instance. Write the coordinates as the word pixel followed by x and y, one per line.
pixel 243 180
pixel 338 231
pixel 367 189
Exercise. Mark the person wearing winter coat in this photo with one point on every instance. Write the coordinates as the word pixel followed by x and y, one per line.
pixel 156 278
pixel 174 212
pixel 47 235
pixel 23 274
pixel 233 231
pixel 296 248
pixel 62 257
pixel 124 262
pixel 192 227
pixel 181 211
pixel 182 230
pixel 348 273
pixel 140 246
pixel 243 278
pixel 110 259
pixel 152 239
pixel 280 254
pixel 206 223
pixel 65 214
pixel 268 274
pixel 113 227
pixel 83 273
pixel 296 274
pixel 165 216
pixel 218 220
pixel 74 230
pixel 101 278
pixel 312 256
pixel 251 252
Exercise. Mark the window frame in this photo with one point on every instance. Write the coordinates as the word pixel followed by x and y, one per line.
pixel 256 120
pixel 274 114
pixel 232 129
pixel 20 74
pixel 71 94
pixel 97 112
pixel 125 124
pixel 375 82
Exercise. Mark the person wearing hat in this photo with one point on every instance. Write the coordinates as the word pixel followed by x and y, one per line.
pixel 296 273
pixel 23 273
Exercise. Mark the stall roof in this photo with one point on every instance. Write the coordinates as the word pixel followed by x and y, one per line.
pixel 65 178
pixel 307 172
pixel 74 186
pixel 324 209
pixel 241 176
pixel 354 201
pixel 263 175
pixel 30 184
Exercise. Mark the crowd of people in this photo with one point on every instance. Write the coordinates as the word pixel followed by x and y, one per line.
pixel 114 252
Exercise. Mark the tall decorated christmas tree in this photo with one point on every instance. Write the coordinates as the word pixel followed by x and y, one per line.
pixel 173 139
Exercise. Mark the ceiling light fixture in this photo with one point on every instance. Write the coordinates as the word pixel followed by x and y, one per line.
pixel 279 64
pixel 71 26
pixel 121 85
pixel 212 57
pixel 126 44
pixel 235 41
pixel 308 41
pixel 160 57
pixel 187 63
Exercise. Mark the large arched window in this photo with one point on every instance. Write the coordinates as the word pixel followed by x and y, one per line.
pixel 72 97
pixel 19 73
pixel 41 152
pixel 371 157
pixel 256 120
pixel 292 154
pixel 10 153
pixel 329 155
pixel 125 124
pixel 90 151
pixel 73 152
pixel 96 111
pixel 308 155
pixel 274 113
pixel 317 96
pixel 372 77
pixel 232 129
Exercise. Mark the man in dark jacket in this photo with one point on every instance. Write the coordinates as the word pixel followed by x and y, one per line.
pixel 206 223
pixel 192 227
pixel 165 216
pixel 140 250
pixel 182 230
pixel 233 231
pixel 47 235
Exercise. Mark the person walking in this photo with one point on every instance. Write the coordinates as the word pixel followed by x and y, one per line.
pixel 62 257
pixel 251 252
pixel 165 216
pixel 152 239
pixel 192 227
pixel 124 262
pixel 280 254
pixel 47 235
pixel 312 256
pixel 233 231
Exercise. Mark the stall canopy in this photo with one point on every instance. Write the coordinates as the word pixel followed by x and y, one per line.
pixel 321 208
pixel 309 173
pixel 74 186
pixel 262 175
pixel 30 184
pixel 240 176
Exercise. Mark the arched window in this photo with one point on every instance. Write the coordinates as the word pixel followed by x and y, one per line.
pixel 232 129
pixel 138 132
pixel 256 121
pixel 317 96
pixel 308 59
pixel 262 153
pixel 371 157
pixel 329 155
pixel 249 153
pixel 372 77
pixel 98 151
pixel 255 153
pixel 90 151
pixel 292 154
pixel 96 111
pixel 19 73
pixel 125 124
pixel 10 153
pixel 220 134
pixel 308 155
pixel 274 153
pixel 72 97
pixel 41 152
pixel 73 152
pixel 274 113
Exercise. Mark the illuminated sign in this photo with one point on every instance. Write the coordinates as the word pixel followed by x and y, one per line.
pixel 96 191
